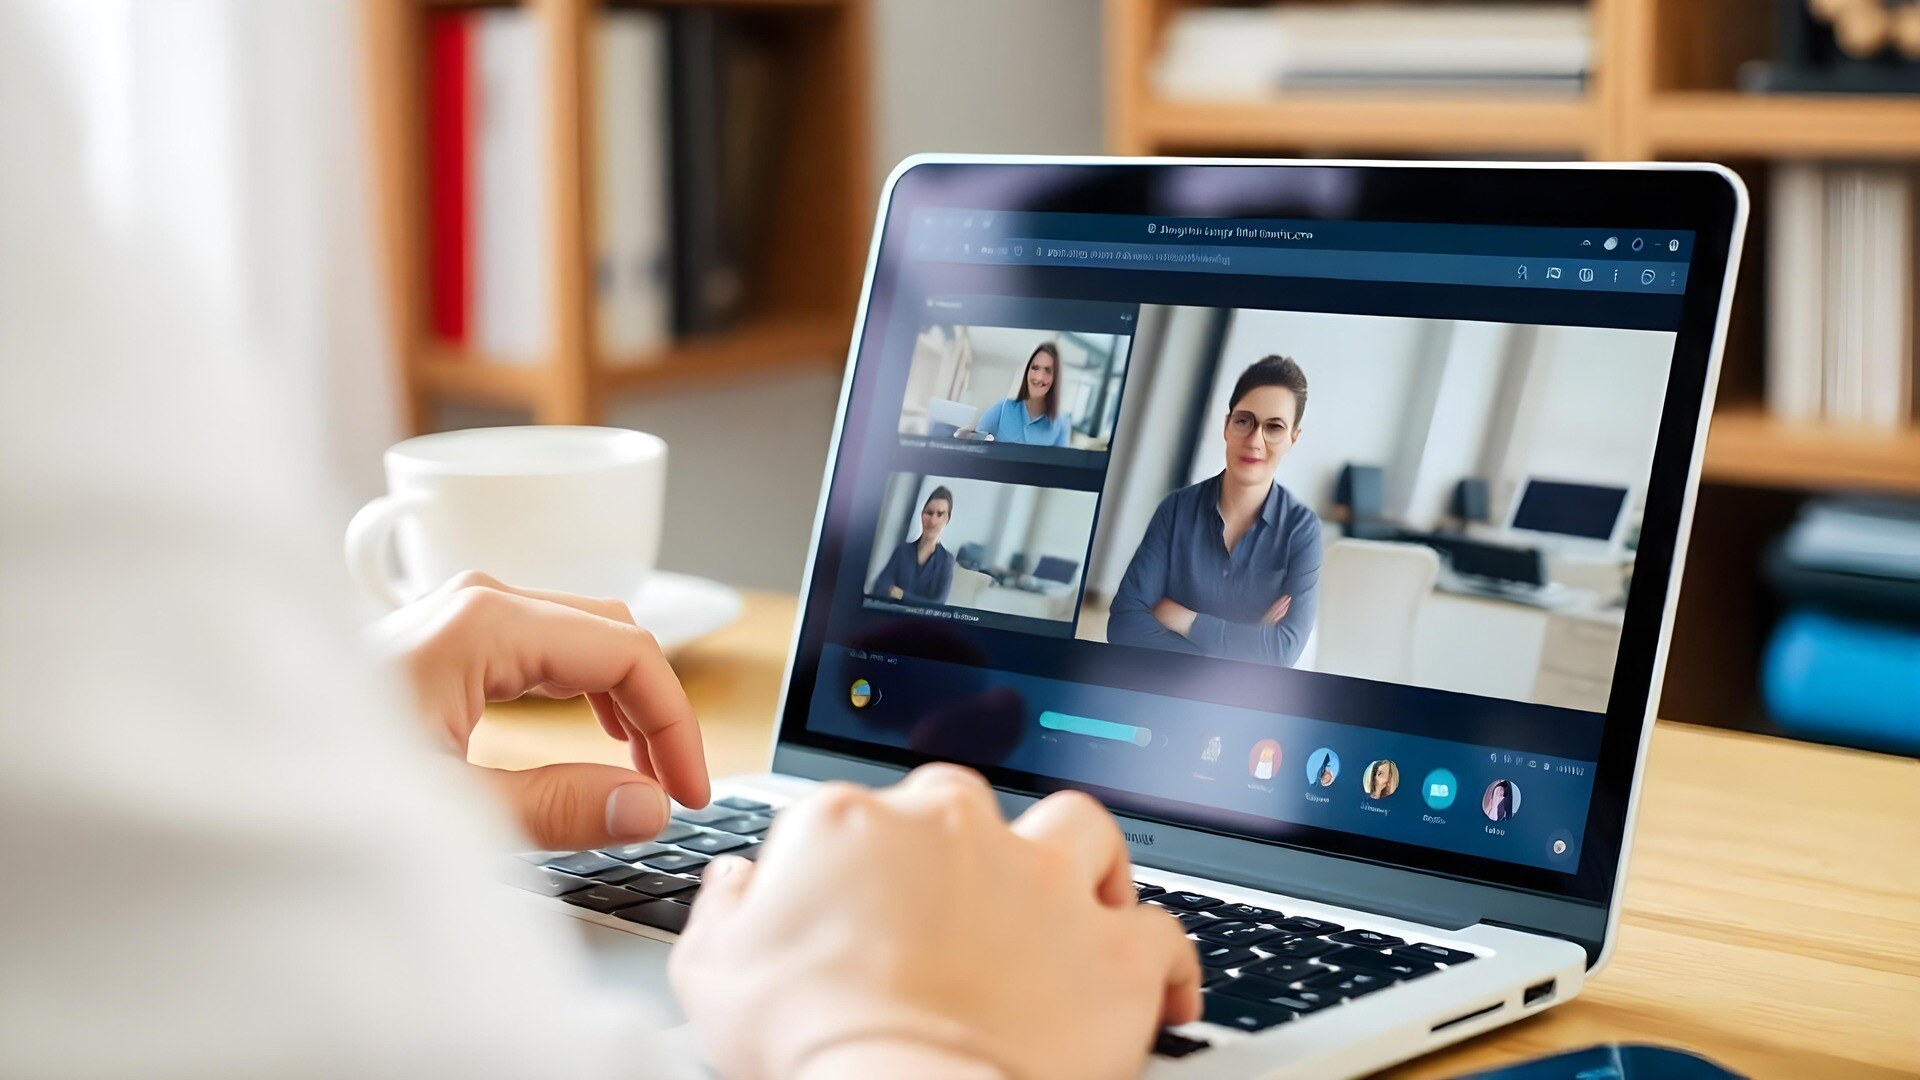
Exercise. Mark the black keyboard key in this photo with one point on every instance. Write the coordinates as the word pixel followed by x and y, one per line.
pixel 1317 999
pixel 706 815
pixel 675 830
pixel 1225 956
pixel 583 863
pixel 1283 969
pixel 1379 964
pixel 1299 948
pixel 1229 932
pixel 1171 1045
pixel 1368 939
pixel 1195 921
pixel 1439 954
pixel 1353 984
pixel 1277 994
pixel 661 884
pixel 745 806
pixel 1143 891
pixel 617 874
pixel 1187 901
pixel 540 879
pixel 712 843
pixel 634 852
pixel 1212 977
pixel 1249 913
pixel 1300 924
pixel 660 914
pixel 673 862
pixel 743 824
pixel 1229 1011
pixel 605 898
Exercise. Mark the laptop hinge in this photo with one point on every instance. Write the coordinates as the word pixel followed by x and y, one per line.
pixel 1441 917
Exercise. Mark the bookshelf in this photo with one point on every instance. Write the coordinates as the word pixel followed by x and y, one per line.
pixel 1662 87
pixel 801 271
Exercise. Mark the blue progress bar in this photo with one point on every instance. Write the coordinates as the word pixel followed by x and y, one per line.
pixel 1098 729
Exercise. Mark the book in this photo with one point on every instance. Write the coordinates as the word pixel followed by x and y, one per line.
pixel 707 284
pixel 449 136
pixel 1245 53
pixel 513 276
pixel 632 257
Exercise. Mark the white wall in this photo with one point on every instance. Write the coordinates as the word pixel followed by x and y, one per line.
pixel 1590 407
pixel 1360 373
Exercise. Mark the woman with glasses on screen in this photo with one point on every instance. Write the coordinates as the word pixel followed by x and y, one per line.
pixel 1231 565
pixel 921 569
pixel 1032 414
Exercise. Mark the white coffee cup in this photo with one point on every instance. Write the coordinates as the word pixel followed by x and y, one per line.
pixel 576 509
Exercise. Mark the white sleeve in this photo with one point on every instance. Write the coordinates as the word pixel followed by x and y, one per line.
pixel 227 851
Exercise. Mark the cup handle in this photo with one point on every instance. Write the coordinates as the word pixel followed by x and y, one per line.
pixel 370 538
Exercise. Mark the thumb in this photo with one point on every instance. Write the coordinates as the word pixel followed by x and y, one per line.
pixel 574 807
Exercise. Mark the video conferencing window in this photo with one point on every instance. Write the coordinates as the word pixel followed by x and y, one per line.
pixel 1259 557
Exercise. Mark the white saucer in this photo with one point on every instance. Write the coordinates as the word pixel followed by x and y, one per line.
pixel 680 608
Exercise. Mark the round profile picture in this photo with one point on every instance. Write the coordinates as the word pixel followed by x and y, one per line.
pixel 861 693
pixel 1501 801
pixel 1382 779
pixel 1264 761
pixel 1323 767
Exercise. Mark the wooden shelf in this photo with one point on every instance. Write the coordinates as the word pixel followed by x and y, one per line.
pixel 1371 122
pixel 1717 122
pixel 776 344
pixel 1748 447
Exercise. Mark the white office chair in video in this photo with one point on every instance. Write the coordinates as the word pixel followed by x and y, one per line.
pixel 1371 593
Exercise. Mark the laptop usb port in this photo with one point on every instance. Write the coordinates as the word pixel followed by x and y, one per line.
pixel 1538 993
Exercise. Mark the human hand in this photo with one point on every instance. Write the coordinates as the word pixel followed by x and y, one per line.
pixel 1174 616
pixel 475 640
pixel 910 930
pixel 1277 612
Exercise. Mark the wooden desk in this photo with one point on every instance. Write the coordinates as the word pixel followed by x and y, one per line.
pixel 1772 912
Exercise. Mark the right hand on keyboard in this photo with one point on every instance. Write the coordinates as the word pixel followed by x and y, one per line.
pixel 911 930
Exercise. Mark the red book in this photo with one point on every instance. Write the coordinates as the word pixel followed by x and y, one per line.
pixel 449 175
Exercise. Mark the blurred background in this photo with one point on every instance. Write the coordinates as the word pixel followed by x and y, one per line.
pixel 656 214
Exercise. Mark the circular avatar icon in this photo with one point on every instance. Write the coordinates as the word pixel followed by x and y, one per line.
pixel 1382 779
pixel 1323 767
pixel 1501 801
pixel 1440 789
pixel 861 693
pixel 1264 761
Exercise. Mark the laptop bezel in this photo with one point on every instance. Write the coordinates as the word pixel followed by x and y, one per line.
pixel 1438 897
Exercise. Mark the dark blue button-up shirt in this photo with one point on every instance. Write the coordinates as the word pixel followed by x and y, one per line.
pixel 928 584
pixel 1184 558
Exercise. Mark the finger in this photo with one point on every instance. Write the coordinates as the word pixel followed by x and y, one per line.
pixel 1080 830
pixel 1180 1003
pixel 605 711
pixel 948 788
pixel 575 807
pixel 723 885
pixel 574 648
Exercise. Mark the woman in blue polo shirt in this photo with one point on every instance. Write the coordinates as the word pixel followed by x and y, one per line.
pixel 1031 416
pixel 920 569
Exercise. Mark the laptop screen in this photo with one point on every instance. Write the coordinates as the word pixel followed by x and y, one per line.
pixel 1133 568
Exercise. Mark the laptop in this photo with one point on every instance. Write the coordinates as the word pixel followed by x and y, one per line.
pixel 946 417
pixel 1370 868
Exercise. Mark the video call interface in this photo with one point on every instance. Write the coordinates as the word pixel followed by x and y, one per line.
pixel 1264 558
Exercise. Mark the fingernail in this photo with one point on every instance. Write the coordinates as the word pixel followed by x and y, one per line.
pixel 636 812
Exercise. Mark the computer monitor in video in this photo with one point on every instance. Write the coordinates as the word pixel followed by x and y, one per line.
pixel 1561 508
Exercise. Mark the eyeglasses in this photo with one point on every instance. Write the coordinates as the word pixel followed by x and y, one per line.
pixel 1242 424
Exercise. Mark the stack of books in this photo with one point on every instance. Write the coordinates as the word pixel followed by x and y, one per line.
pixel 1840 294
pixel 687 125
pixel 1218 53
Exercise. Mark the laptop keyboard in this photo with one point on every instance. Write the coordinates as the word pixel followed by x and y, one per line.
pixel 1261 967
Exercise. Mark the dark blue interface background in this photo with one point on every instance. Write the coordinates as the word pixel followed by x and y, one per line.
pixel 1215 743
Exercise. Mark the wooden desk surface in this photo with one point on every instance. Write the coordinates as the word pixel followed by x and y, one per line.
pixel 1772 909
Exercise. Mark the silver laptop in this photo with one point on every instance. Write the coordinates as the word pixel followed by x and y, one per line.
pixel 946 417
pixel 1390 816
